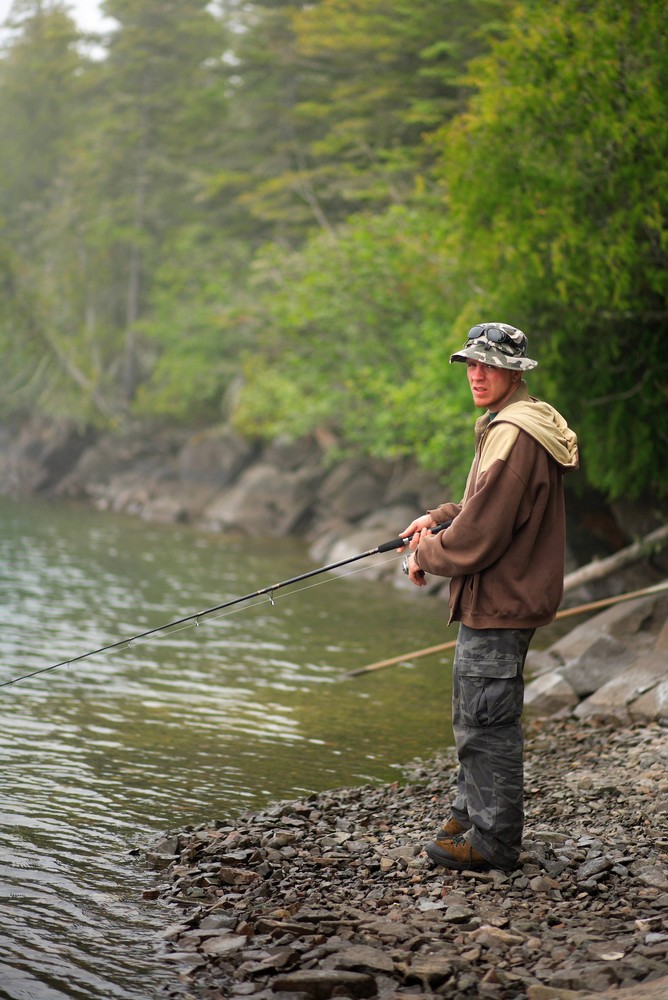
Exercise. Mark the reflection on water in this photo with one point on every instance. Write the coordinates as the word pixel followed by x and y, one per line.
pixel 193 725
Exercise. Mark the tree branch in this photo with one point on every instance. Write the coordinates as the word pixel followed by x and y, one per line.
pixel 600 568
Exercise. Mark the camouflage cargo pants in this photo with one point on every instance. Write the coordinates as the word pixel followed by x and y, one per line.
pixel 487 699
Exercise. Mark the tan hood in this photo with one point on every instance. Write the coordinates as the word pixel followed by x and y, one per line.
pixel 547 426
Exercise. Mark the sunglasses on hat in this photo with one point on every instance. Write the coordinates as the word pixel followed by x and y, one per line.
pixel 499 337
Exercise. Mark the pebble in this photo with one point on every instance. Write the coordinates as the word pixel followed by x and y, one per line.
pixel 332 895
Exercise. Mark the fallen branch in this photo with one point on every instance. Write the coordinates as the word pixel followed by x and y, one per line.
pixel 581 609
pixel 600 568
pixel 427 651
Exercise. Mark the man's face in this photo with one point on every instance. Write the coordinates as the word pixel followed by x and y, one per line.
pixel 490 386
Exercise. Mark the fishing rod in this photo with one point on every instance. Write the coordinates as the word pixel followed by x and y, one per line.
pixel 394 543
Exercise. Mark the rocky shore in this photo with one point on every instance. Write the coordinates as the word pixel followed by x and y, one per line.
pixel 217 481
pixel 331 895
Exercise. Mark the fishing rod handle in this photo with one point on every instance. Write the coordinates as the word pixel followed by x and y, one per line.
pixel 398 543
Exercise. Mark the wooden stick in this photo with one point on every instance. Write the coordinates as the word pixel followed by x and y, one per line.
pixel 581 609
pixel 605 602
pixel 405 656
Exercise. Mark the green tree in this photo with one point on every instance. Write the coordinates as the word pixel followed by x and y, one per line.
pixel 554 218
pixel 42 79
pixel 354 336
pixel 327 191
pixel 45 84
pixel 161 104
pixel 197 327
pixel 330 102
pixel 556 193
pixel 258 189
pixel 388 73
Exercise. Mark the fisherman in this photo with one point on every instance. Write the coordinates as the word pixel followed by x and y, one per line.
pixel 504 555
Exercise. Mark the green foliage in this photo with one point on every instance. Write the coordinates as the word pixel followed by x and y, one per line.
pixel 43 79
pixel 121 180
pixel 290 212
pixel 357 332
pixel 556 181
pixel 45 87
pixel 192 333
pixel 330 102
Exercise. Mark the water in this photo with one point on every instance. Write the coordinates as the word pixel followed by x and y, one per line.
pixel 100 757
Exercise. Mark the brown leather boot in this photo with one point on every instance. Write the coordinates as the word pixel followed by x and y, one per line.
pixel 456 852
pixel 452 828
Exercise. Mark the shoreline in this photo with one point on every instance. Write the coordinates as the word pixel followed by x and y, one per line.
pixel 216 481
pixel 330 894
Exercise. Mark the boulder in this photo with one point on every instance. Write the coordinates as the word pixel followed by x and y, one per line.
pixel 41 455
pixel 289 454
pixel 354 489
pixel 603 657
pixel 214 458
pixel 381 526
pixel 640 678
pixel 615 665
pixel 264 501
pixel 550 694
pixel 118 463
pixel 652 705
pixel 182 504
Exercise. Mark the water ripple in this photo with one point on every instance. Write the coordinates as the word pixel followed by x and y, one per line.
pixel 190 725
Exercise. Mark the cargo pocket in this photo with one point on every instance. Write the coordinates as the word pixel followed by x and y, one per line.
pixel 490 692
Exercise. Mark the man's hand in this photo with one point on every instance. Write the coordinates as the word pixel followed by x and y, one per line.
pixel 417 529
pixel 415 574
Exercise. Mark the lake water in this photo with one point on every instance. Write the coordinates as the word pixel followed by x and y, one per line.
pixel 192 725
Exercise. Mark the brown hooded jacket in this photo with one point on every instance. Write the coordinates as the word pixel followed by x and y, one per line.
pixel 504 550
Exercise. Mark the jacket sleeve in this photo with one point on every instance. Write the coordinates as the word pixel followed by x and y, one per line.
pixel 495 507
pixel 445 512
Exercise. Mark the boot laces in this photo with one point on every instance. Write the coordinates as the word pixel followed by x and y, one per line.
pixel 459 840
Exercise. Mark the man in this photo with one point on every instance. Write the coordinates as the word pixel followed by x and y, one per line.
pixel 504 553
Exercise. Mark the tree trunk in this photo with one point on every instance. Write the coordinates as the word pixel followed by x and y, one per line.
pixel 130 363
pixel 600 568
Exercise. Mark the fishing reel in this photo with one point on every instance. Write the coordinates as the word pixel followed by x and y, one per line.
pixel 405 568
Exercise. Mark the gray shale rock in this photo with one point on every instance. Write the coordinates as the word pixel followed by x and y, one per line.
pixel 326 896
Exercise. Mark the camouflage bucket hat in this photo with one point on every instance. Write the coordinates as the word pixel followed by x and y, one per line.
pixel 496 344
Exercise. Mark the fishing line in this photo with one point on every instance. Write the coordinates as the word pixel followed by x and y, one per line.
pixel 209 613
pixel 180 625
pixel 249 607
